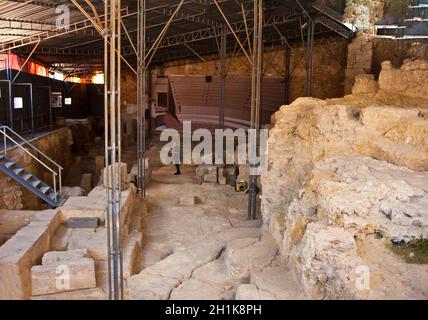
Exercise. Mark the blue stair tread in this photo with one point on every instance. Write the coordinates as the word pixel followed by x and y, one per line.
pixel 44 190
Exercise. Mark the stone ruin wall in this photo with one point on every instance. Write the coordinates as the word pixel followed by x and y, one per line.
pixel 344 173
pixel 366 54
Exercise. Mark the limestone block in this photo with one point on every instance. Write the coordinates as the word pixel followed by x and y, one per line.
pixel 84 207
pixel 86 182
pixel 45 279
pixel 67 192
pixel 24 250
pixel 92 240
pixel 200 173
pixel 148 172
pixel 59 257
pixel 60 239
pixel 365 84
pixel 221 177
pixel 212 174
pixel 121 169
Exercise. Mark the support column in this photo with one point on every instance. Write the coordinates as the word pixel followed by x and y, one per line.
pixel 223 74
pixel 113 127
pixel 141 96
pixel 256 90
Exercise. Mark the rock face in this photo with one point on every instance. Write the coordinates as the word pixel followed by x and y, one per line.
pixel 345 175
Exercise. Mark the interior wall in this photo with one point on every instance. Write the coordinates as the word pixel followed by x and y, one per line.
pixel 330 55
pixel 86 100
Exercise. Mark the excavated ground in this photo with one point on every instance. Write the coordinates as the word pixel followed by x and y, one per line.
pixel 198 244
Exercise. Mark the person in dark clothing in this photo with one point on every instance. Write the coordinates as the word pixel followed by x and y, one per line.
pixel 177 168
pixel 175 150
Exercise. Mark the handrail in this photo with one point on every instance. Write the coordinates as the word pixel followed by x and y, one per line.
pixel 31 145
pixel 28 152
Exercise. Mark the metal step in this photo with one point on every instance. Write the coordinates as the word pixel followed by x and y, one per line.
pixel 36 183
pixel 27 177
pixel 9 164
pixel 18 171
pixel 45 190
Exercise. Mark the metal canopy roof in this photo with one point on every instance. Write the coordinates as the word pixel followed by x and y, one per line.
pixel 195 29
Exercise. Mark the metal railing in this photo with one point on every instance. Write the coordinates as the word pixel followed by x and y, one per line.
pixel 53 167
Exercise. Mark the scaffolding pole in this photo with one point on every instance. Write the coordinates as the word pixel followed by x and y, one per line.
pixel 113 128
pixel 141 101
pixel 223 74
pixel 256 90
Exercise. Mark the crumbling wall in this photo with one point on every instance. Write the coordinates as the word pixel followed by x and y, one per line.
pixel 346 177
pixel 366 54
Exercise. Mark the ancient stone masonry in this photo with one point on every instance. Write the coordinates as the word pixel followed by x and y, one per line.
pixel 360 58
pixel 348 178
pixel 364 13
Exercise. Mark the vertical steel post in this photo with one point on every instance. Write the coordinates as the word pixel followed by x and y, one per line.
pixel 256 90
pixel 112 55
pixel 106 141
pixel 223 74
pixel 141 93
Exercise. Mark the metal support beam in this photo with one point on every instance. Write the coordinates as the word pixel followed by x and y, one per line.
pixel 25 62
pixel 233 32
pixel 256 88
pixel 141 95
pixel 223 74
pixel 113 128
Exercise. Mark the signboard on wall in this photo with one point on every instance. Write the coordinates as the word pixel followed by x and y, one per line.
pixel 56 100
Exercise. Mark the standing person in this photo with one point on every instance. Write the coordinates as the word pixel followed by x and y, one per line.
pixel 175 150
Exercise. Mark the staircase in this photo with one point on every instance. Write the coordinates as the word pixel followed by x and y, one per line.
pixel 333 20
pixel 50 195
